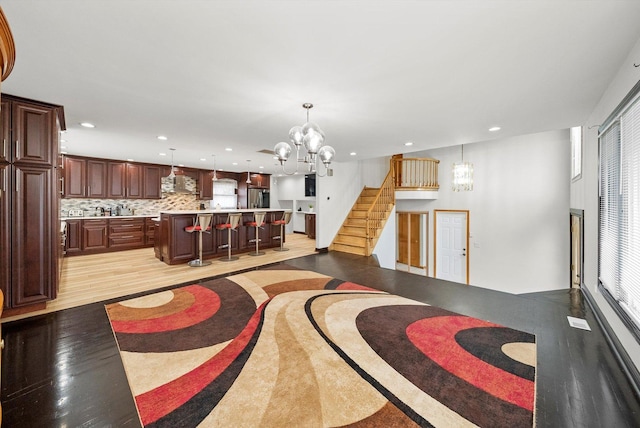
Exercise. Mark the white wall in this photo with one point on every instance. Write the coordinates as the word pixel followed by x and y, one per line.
pixel 518 210
pixel 584 193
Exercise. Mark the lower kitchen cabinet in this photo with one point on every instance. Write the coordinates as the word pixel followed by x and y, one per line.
pixel 101 235
pixel 310 225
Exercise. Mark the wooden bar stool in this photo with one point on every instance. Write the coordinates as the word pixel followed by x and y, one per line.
pixel 258 222
pixel 286 218
pixel 233 220
pixel 201 225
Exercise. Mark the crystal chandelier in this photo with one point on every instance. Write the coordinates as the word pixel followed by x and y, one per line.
pixel 311 136
pixel 462 175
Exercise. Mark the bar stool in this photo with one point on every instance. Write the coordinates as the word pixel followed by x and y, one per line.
pixel 286 218
pixel 201 225
pixel 258 222
pixel 233 220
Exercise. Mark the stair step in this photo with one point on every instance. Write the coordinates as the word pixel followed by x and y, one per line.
pixel 363 207
pixel 358 214
pixel 370 191
pixel 366 199
pixel 359 241
pixel 353 230
pixel 355 222
pixel 348 249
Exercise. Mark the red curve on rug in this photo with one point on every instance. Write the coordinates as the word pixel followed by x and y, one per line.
pixel 353 286
pixel 161 401
pixel 435 337
pixel 206 303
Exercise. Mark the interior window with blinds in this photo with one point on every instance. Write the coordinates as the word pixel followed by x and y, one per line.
pixel 619 240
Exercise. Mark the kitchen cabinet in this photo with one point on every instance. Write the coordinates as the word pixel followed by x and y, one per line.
pixel 310 225
pixel 150 231
pixel 111 179
pixel 126 233
pixel 29 246
pixel 94 234
pixel 73 243
pixel 152 188
pixel 116 180
pixel 205 185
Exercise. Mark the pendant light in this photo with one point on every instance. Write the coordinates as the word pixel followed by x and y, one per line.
pixel 248 174
pixel 215 176
pixel 462 175
pixel 172 174
pixel 311 136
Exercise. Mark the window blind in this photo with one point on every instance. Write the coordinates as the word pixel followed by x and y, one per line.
pixel 619 227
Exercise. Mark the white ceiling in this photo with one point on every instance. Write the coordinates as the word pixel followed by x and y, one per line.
pixel 217 74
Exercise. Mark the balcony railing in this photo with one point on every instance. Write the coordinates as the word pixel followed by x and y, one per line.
pixel 415 174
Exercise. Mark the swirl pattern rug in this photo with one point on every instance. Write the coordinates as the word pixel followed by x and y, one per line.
pixel 286 347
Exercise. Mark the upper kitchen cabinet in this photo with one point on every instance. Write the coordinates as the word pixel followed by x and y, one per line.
pixel 261 181
pixel 110 179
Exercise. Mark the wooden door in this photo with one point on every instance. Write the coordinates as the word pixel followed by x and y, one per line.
pixel 96 179
pixel 35 231
pixel 73 244
pixel 32 133
pixel 75 178
pixel 116 180
pixel 577 258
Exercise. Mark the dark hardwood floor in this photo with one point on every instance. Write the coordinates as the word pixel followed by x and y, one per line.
pixel 63 368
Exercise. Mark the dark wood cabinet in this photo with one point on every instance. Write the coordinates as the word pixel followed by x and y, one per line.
pixel 126 233
pixel 29 193
pixel 94 235
pixel 152 182
pixel 75 177
pixel 116 180
pixel 310 225
pixel 134 181
pixel 73 244
pixel 205 185
pixel 96 179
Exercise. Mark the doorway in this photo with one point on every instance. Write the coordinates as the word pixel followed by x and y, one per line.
pixel 577 247
pixel 412 242
pixel 451 245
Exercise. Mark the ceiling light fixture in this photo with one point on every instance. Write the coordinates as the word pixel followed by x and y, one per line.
pixel 248 174
pixel 172 174
pixel 312 137
pixel 87 125
pixel 215 175
pixel 408 143
pixel 462 175
pixel 162 137
pixel 494 129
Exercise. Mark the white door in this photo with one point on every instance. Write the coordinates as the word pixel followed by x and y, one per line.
pixel 451 245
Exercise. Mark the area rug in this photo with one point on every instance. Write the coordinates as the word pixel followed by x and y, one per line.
pixel 283 347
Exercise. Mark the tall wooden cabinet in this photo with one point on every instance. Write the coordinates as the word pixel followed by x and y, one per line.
pixel 30 226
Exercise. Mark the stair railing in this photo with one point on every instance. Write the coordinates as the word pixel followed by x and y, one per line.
pixel 377 213
pixel 416 173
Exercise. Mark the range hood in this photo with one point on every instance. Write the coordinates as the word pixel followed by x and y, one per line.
pixel 178 184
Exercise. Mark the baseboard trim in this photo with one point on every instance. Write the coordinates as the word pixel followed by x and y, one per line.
pixel 628 368
pixel 322 250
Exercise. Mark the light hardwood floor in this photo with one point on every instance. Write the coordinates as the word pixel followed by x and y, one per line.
pixel 93 278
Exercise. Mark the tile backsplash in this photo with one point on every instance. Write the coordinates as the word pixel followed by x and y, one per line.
pixel 169 201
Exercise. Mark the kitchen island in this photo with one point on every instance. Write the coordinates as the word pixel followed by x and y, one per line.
pixel 173 245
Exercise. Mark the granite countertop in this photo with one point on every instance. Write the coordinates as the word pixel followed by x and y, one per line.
pixel 224 211
pixel 93 217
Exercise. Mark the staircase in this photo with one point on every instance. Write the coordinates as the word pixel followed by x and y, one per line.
pixel 362 228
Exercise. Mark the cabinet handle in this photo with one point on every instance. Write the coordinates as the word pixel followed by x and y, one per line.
pixel 88 190
pixel 62 186
pixel 17 182
pixel 17 148
pixel 124 237
pixel 4 148
pixel 2 344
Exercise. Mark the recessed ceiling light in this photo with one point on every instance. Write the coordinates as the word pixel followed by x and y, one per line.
pixel 229 149
pixel 494 129
pixel 63 141
pixel 63 147
pixel 181 165
pixel 162 137
pixel 87 125
pixel 235 163
pixel 202 159
pixel 129 160
pixel 408 143
pixel 352 153
pixel 261 167
pixel 63 152
pixel 162 154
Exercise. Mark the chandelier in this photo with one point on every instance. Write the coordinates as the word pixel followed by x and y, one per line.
pixel 462 175
pixel 311 136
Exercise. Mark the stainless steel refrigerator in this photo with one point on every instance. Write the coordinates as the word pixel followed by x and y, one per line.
pixel 258 198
